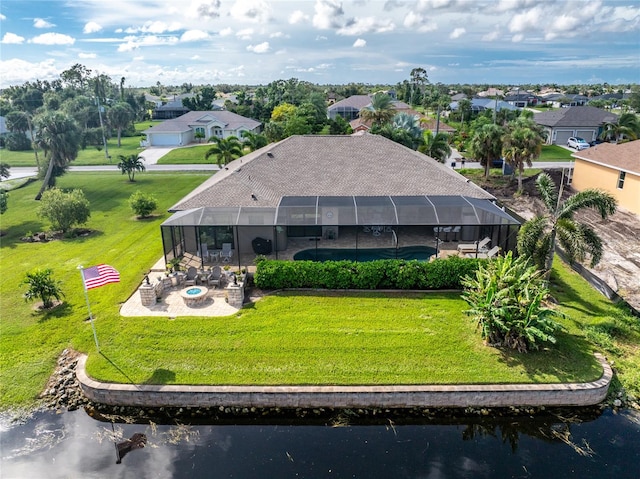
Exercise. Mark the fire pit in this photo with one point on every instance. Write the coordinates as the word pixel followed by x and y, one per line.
pixel 194 295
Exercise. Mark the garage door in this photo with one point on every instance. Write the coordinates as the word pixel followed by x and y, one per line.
pixel 165 140
pixel 588 135
pixel 562 136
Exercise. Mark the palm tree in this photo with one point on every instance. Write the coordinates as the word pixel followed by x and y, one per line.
pixel 225 150
pixel 120 116
pixel 537 237
pixel 521 145
pixel 410 124
pixel 254 141
pixel 130 164
pixel 436 146
pixel 486 145
pixel 59 137
pixel 627 127
pixel 380 111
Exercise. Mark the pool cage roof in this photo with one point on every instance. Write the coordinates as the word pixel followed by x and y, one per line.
pixel 350 211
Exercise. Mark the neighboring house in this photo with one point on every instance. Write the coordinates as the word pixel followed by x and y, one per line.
pixel 349 108
pixel 426 123
pixel 482 104
pixel 558 100
pixel 614 168
pixel 170 110
pixel 491 92
pixel 182 130
pixel 582 121
pixel 354 192
pixel 523 100
pixel 458 97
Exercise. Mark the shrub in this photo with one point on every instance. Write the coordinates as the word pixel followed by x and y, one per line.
pixel 64 209
pixel 381 274
pixel 506 298
pixel 42 286
pixel 142 204
pixel 17 142
pixel 3 201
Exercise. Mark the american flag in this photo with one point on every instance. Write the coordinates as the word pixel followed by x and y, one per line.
pixel 100 275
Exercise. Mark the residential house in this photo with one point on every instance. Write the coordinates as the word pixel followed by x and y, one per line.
pixel 482 104
pixel 349 108
pixel 182 130
pixel 562 100
pixel 357 192
pixel 169 110
pixel 523 99
pixel 614 168
pixel 581 121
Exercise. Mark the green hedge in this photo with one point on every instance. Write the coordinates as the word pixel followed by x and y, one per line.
pixel 381 274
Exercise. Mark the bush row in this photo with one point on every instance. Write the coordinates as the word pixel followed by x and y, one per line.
pixel 381 274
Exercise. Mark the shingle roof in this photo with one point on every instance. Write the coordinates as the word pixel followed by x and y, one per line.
pixel 362 165
pixel 231 120
pixel 357 102
pixel 575 116
pixel 623 156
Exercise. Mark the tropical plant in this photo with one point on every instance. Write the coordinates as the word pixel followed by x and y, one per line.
pixel 380 111
pixel 199 135
pixel 486 145
pixel 507 298
pixel 537 237
pixel 436 146
pixel 254 141
pixel 4 204
pixel 410 123
pixel 130 164
pixel 120 117
pixel 627 127
pixel 59 137
pixel 522 144
pixel 64 209
pixel 142 204
pixel 42 286
pixel 4 170
pixel 224 149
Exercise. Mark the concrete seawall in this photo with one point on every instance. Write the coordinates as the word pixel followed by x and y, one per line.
pixel 495 395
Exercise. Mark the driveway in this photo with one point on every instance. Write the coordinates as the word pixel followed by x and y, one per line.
pixel 152 154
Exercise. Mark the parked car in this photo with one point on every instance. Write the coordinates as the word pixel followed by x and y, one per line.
pixel 577 143
pixel 497 163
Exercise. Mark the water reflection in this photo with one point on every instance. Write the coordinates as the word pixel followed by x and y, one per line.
pixel 76 445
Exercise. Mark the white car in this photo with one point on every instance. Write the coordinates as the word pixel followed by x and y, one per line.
pixel 577 143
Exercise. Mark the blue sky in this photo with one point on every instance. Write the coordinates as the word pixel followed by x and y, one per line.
pixel 323 41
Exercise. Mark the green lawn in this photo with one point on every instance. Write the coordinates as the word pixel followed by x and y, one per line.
pixel 290 338
pixel 191 155
pixel 555 153
pixel 90 156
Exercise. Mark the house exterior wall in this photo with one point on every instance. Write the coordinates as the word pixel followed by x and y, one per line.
pixel 589 175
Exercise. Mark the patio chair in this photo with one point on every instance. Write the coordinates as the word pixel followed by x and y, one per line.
pixel 226 252
pixel 489 254
pixel 192 275
pixel 215 277
pixel 474 247
pixel 204 251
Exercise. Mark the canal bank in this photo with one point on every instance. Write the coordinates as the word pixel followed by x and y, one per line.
pixel 398 396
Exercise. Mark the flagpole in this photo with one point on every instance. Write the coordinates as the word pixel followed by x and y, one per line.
pixel 86 296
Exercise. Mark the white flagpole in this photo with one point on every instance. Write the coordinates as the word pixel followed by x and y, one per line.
pixel 86 295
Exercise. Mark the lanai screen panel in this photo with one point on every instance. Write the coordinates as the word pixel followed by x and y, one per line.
pixel 250 216
pixel 454 210
pixel 376 210
pixel 415 210
pixel 337 210
pixel 491 214
pixel 185 218
pixel 297 211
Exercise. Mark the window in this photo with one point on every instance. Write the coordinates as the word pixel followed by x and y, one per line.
pixel 621 180
pixel 217 131
pixel 200 130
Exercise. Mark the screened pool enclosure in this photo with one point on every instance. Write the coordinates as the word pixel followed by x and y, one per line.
pixel 389 224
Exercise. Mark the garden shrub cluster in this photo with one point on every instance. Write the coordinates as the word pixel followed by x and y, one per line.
pixel 381 274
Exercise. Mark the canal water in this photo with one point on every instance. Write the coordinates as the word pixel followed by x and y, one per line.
pixel 555 445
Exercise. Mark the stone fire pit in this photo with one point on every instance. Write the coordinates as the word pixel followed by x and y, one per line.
pixel 194 295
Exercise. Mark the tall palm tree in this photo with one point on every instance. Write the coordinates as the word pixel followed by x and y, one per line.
pixel 380 111
pixel 120 116
pixel 537 237
pixel 436 146
pixel 486 145
pixel 225 150
pixel 627 126
pixel 410 124
pixel 130 164
pixel 253 140
pixel 521 145
pixel 59 137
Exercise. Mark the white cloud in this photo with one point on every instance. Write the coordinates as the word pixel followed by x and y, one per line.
pixel 245 34
pixel 491 36
pixel 225 32
pixel 278 35
pixel 203 9
pixel 517 38
pixel 457 33
pixel 16 71
pixel 255 11
pixel 327 14
pixel 260 48
pixel 195 57
pixel 92 27
pixel 428 5
pixel 360 43
pixel 366 25
pixel 87 55
pixel 527 21
pixel 158 27
pixel 193 36
pixel 419 21
pixel 53 39
pixel 133 43
pixel 42 23
pixel 2 17
pixel 12 39
pixel 298 17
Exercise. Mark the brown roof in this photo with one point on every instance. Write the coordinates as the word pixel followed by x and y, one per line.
pixel 575 116
pixel 360 165
pixel 621 156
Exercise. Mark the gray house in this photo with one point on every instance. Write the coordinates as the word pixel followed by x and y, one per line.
pixel 311 196
pixel 582 121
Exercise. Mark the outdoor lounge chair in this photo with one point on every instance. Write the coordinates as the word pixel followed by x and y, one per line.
pixel 192 275
pixel 489 254
pixel 474 247
pixel 226 252
pixel 204 250
pixel 214 278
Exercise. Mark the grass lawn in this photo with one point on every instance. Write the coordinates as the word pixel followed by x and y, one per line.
pixel 191 155
pixel 555 153
pixel 130 145
pixel 290 338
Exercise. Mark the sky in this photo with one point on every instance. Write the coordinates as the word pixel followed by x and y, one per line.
pixel 255 42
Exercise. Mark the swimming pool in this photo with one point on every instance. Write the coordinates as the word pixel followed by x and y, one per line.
pixel 421 253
